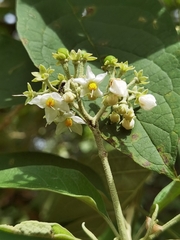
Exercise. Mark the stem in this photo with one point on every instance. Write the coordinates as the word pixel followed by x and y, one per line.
pixel 152 222
pixel 75 69
pixel 53 89
pixel 81 69
pixel 88 232
pixel 121 224
pixel 83 111
pixel 129 214
pixel 98 115
pixel 167 225
pixel 133 81
pixel 66 70
pixel 173 221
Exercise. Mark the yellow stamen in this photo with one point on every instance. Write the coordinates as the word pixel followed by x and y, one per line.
pixel 68 122
pixel 92 86
pixel 50 102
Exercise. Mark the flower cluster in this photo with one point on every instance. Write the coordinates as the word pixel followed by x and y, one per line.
pixel 63 98
pixel 121 94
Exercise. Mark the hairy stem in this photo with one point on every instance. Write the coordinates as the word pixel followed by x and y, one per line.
pixel 167 225
pixel 121 223
pixel 98 114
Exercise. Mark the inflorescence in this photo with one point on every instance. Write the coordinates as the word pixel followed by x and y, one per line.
pixel 63 97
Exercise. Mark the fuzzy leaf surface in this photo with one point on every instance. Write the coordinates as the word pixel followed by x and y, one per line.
pixel 135 31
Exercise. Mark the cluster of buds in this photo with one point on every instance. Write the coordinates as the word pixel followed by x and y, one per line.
pixel 122 96
pixel 62 98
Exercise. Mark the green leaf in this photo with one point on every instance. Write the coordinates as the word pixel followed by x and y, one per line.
pixel 10 236
pixel 21 159
pixel 68 182
pixel 41 229
pixel 167 195
pixel 129 179
pixel 135 31
pixel 41 168
pixel 15 71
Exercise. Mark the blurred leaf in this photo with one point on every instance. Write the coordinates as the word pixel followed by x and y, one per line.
pixel 68 182
pixel 129 179
pixel 167 195
pixel 22 159
pixel 15 71
pixel 171 4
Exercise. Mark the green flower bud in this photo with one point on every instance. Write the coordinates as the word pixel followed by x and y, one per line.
pixel 110 99
pixel 63 52
pixel 122 108
pixel 62 56
pixel 114 117
pixel 129 115
pixel 110 60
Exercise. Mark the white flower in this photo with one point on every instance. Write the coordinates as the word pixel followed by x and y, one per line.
pixel 118 87
pixel 52 103
pixel 71 122
pixel 128 125
pixel 90 84
pixel 147 102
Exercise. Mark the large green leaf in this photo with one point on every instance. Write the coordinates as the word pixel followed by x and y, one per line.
pixel 36 171
pixel 129 179
pixel 68 182
pixel 53 173
pixel 137 31
pixel 21 159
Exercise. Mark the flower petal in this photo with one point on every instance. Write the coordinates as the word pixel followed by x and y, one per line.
pixel 38 101
pixel 61 127
pixel 100 77
pixel 81 81
pixel 84 92
pixel 77 128
pixel 89 74
pixel 78 120
pixel 97 93
pixel 50 114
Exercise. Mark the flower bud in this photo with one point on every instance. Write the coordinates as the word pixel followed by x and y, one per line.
pixel 129 115
pixel 128 125
pixel 122 108
pixel 69 97
pixel 118 87
pixel 147 102
pixel 114 117
pixel 110 60
pixel 110 99
pixel 63 52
